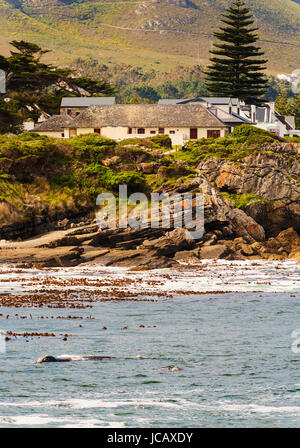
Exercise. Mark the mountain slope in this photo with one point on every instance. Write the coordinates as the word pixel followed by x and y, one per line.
pixel 156 33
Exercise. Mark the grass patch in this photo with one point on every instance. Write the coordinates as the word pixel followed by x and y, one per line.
pixel 242 200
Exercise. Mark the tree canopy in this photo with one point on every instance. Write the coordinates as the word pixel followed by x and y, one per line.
pixel 237 65
pixel 33 85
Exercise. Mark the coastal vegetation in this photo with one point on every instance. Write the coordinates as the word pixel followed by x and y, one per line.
pixel 242 142
pixel 43 178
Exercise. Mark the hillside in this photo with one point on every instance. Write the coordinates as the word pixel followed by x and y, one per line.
pixel 158 34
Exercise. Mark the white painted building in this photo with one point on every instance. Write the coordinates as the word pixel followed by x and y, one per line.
pixel 122 121
pixel 267 118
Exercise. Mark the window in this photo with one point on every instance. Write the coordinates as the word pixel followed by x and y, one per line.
pixel 129 131
pixel 152 132
pixel 141 131
pixel 73 132
pixel 161 130
pixel 193 133
pixel 213 134
pixel 63 134
pixel 172 132
pixel 97 131
pixel 69 111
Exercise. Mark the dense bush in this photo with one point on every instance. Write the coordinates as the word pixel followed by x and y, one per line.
pixel 133 179
pixel 246 131
pixel 132 154
pixel 30 155
pixel 157 141
pixel 138 142
pixel 162 141
pixel 242 142
pixel 92 147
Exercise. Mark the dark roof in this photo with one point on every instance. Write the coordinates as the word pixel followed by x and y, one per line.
pixel 221 101
pixel 212 100
pixel 146 115
pixel 87 101
pixel 169 102
pixel 283 120
pixel 244 120
pixel 227 118
pixel 55 123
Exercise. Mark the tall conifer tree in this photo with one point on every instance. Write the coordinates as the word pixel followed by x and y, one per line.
pixel 237 65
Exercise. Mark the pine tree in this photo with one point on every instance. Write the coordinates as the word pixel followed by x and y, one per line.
pixel 237 67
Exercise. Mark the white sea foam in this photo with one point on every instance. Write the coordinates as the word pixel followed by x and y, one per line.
pixel 258 408
pixel 63 422
pixel 110 420
pixel 212 275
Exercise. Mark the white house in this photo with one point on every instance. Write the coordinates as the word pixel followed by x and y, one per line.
pixel 54 126
pixel 264 117
pixel 121 121
pixel 226 104
pixel 267 118
pixel 228 110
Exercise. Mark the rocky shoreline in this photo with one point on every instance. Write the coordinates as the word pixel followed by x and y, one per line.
pixel 251 211
pixel 143 249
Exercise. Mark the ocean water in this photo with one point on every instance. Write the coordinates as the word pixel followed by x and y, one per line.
pixel 238 367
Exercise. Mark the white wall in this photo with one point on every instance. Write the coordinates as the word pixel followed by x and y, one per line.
pixel 28 125
pixel 181 135
pixel 277 127
pixel 51 134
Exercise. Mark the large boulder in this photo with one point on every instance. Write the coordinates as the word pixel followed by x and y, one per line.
pixel 212 252
pixel 246 227
pixel 172 242
pixel 289 240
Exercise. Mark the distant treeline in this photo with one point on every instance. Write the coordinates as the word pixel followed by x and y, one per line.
pixel 137 84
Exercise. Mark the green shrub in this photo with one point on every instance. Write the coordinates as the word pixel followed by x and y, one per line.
pixel 259 139
pixel 137 142
pixel 241 200
pixel 157 141
pixel 242 142
pixel 132 154
pixel 161 141
pixel 92 147
pixel 293 139
pixel 133 179
pixel 245 131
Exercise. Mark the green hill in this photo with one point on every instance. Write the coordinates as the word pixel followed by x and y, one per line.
pixel 158 34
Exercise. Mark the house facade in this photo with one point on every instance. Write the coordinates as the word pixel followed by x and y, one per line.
pixel 54 126
pixel 73 106
pixel 234 112
pixel 228 105
pixel 228 110
pixel 182 120
pixel 121 121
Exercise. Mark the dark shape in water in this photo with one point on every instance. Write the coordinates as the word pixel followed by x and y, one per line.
pixel 49 358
